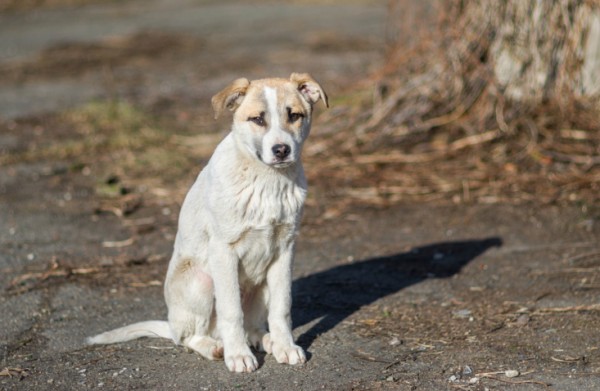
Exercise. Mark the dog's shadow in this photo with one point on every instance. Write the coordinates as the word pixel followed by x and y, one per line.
pixel 334 294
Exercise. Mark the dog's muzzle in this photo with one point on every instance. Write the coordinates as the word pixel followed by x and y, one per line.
pixel 281 151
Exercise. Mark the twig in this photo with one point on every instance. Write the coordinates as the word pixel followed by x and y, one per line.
pixel 591 307
pixel 566 359
pixel 145 284
pixel 575 134
pixel 56 270
pixel 12 371
pixel 118 244
pixel 587 160
pixel 366 357
pixel 427 157
pixel 518 381
pixel 473 140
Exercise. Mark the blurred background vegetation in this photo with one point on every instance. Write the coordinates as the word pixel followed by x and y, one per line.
pixel 480 101
pixel 476 102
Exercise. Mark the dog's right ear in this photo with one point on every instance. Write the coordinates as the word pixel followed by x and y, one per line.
pixel 230 97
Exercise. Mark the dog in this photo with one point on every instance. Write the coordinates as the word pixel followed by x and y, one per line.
pixel 230 274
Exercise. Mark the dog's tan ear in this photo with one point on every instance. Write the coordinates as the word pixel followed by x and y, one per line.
pixel 309 88
pixel 230 97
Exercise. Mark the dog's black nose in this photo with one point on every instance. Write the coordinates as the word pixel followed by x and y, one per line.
pixel 281 151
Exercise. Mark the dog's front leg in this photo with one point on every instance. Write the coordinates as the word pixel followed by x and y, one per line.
pixel 280 341
pixel 230 317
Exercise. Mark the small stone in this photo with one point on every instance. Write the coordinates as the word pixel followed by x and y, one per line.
pixel 390 378
pixel 453 378
pixel 511 373
pixel 465 314
pixel 474 380
pixel 467 370
pixel 395 341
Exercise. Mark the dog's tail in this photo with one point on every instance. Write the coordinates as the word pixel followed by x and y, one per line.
pixel 150 328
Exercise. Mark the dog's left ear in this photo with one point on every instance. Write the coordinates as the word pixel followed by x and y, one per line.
pixel 231 96
pixel 309 88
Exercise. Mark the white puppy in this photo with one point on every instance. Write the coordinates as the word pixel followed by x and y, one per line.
pixel 231 270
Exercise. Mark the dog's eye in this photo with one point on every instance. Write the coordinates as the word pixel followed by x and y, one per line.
pixel 260 120
pixel 293 117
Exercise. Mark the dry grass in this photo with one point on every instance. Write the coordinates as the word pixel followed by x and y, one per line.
pixel 437 127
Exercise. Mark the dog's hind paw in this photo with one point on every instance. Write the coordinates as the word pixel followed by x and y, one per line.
pixel 208 347
pixel 255 339
pixel 217 351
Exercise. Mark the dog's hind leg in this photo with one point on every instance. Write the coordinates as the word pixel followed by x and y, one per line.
pixel 191 311
pixel 193 330
pixel 208 347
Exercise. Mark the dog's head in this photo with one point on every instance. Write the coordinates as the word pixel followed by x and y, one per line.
pixel 272 116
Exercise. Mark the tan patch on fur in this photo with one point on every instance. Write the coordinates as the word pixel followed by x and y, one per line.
pixel 255 104
pixel 230 97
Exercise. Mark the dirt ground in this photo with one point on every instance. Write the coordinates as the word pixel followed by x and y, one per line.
pixel 105 124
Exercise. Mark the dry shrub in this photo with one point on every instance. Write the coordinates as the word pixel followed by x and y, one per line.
pixel 496 102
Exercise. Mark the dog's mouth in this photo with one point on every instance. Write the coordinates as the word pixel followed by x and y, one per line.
pixel 276 163
pixel 283 164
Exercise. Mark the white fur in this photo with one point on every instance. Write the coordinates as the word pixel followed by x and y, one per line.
pixel 231 269
pixel 275 135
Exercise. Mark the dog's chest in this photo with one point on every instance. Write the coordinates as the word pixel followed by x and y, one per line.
pixel 269 212
pixel 258 247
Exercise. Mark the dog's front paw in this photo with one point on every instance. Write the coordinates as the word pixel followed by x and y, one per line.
pixel 241 362
pixel 284 353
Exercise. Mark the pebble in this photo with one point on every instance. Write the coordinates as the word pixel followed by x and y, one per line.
pixel 395 341
pixel 463 313
pixel 474 380
pixel 511 373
